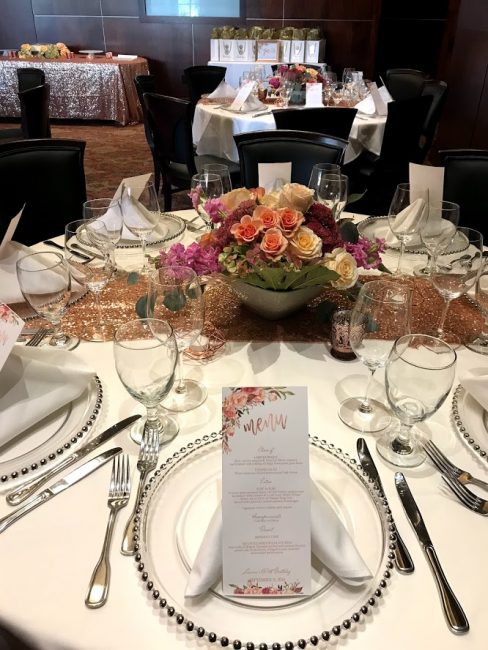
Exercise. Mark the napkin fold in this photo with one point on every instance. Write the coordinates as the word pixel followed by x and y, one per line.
pixel 331 544
pixel 408 221
pixel 475 382
pixel 9 286
pixel 35 382
pixel 366 106
pixel 223 91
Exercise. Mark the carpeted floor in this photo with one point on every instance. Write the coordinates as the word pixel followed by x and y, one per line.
pixel 112 153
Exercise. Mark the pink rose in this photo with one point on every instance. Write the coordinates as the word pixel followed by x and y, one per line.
pixel 229 411
pixel 269 217
pixel 273 244
pixel 238 399
pixel 247 230
pixel 290 220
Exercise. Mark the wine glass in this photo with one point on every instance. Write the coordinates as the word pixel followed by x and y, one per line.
pixel 458 276
pixel 146 354
pixel 175 296
pixel 480 344
pixel 437 232
pixel 223 172
pixel 286 91
pixel 344 192
pixel 205 187
pixel 109 212
pixel 380 315
pixel 407 212
pixel 94 274
pixel 319 170
pixel 45 282
pixel 140 210
pixel 418 377
pixel 348 75
pixel 328 191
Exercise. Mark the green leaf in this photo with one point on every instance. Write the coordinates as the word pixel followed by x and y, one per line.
pixel 279 279
pixel 174 300
pixel 352 198
pixel 349 232
pixel 133 277
pixel 141 307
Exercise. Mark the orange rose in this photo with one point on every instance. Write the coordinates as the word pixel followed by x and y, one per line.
pixel 273 244
pixel 270 218
pixel 290 220
pixel 247 229
pixel 305 244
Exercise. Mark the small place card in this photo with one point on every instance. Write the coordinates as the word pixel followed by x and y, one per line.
pixel 241 96
pixel 266 492
pixel 7 231
pixel 426 177
pixel 272 176
pixel 313 95
pixel 10 327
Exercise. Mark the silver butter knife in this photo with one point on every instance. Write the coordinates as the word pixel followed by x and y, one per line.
pixel 54 244
pixel 455 616
pixel 24 491
pixel 403 560
pixel 56 488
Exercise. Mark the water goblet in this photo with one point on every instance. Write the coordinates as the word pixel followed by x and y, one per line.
pixel 223 172
pixel 406 215
pixel 344 192
pixel 175 296
pixel 480 344
pixel 328 190
pixel 93 275
pixel 109 212
pixel 205 188
pixel 45 282
pixel 141 213
pixel 145 354
pixel 437 232
pixel 418 376
pixel 457 277
pixel 380 315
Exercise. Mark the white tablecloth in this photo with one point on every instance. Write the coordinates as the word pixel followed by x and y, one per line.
pixel 214 130
pixel 46 559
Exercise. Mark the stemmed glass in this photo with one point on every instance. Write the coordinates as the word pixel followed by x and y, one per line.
pixel 325 181
pixel 480 344
pixel 146 354
pixel 175 296
pixel 223 172
pixel 419 375
pixel 406 215
pixel 458 276
pixel 437 232
pixel 343 196
pixel 140 210
pixel 109 212
pixel 205 187
pixel 45 282
pixel 94 274
pixel 380 315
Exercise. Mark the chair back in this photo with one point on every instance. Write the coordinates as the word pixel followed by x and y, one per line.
pixel 331 121
pixel 48 177
pixel 465 183
pixel 403 128
pixel 30 78
pixel 405 83
pixel 34 111
pixel 437 90
pixel 145 83
pixel 303 149
pixel 202 79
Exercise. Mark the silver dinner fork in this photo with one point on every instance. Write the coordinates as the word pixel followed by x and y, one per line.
pixel 118 497
pixel 147 461
pixel 38 337
pixel 445 466
pixel 467 498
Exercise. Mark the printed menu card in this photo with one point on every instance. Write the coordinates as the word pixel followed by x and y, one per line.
pixel 10 327
pixel 265 492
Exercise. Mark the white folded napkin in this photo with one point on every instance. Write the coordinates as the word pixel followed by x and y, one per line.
pixel 126 57
pixel 35 382
pixel 366 106
pixel 407 222
pixel 9 286
pixel 223 91
pixel 331 544
pixel 475 382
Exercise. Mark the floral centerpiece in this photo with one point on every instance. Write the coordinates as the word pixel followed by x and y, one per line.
pixel 280 243
pixel 47 51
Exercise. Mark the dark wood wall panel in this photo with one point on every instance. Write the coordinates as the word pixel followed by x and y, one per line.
pixel 120 8
pixel 331 9
pixel 264 9
pixel 66 7
pixel 480 134
pixel 16 23
pixel 78 34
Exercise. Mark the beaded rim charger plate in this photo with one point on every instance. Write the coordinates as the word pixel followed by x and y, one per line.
pixel 169 229
pixel 56 435
pixel 176 507
pixel 471 421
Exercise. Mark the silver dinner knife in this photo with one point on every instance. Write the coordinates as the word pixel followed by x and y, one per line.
pixel 403 560
pixel 24 491
pixel 56 488
pixel 455 616
pixel 54 244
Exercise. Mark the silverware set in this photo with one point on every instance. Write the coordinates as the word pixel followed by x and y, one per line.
pixel 38 337
pixel 446 467
pixel 467 498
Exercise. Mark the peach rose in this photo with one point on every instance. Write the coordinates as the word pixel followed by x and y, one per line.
pixel 345 265
pixel 270 218
pixel 290 220
pixel 273 244
pixel 230 411
pixel 247 229
pixel 296 197
pixel 232 199
pixel 271 200
pixel 238 399
pixel 306 244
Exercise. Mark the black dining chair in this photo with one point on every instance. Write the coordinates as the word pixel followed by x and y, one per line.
pixel 466 183
pixel 46 177
pixel 34 112
pixel 331 121
pixel 146 83
pixel 170 121
pixel 437 90
pixel 201 80
pixel 405 83
pixel 30 78
pixel 303 149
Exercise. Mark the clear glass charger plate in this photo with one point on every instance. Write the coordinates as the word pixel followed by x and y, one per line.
pixel 379 227
pixel 48 441
pixel 471 420
pixel 169 229
pixel 176 508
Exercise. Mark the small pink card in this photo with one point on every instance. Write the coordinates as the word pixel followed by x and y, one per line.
pixel 10 327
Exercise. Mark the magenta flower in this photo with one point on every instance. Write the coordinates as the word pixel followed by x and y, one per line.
pixel 195 196
pixel 274 82
pixel 367 252
pixel 203 260
pixel 215 210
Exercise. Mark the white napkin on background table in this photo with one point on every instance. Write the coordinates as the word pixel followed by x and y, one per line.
pixel 475 382
pixel 223 91
pixel 407 221
pixel 366 106
pixel 331 544
pixel 35 382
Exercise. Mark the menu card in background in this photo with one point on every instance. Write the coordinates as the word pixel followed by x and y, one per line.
pixel 379 100
pixel 426 177
pixel 241 96
pixel 10 327
pixel 7 231
pixel 266 492
pixel 313 95
pixel 272 176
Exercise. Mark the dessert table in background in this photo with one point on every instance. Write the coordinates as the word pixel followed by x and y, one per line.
pixel 214 129
pixel 46 559
pixel 81 88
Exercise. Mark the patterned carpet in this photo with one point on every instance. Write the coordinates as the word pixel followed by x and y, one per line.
pixel 112 153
